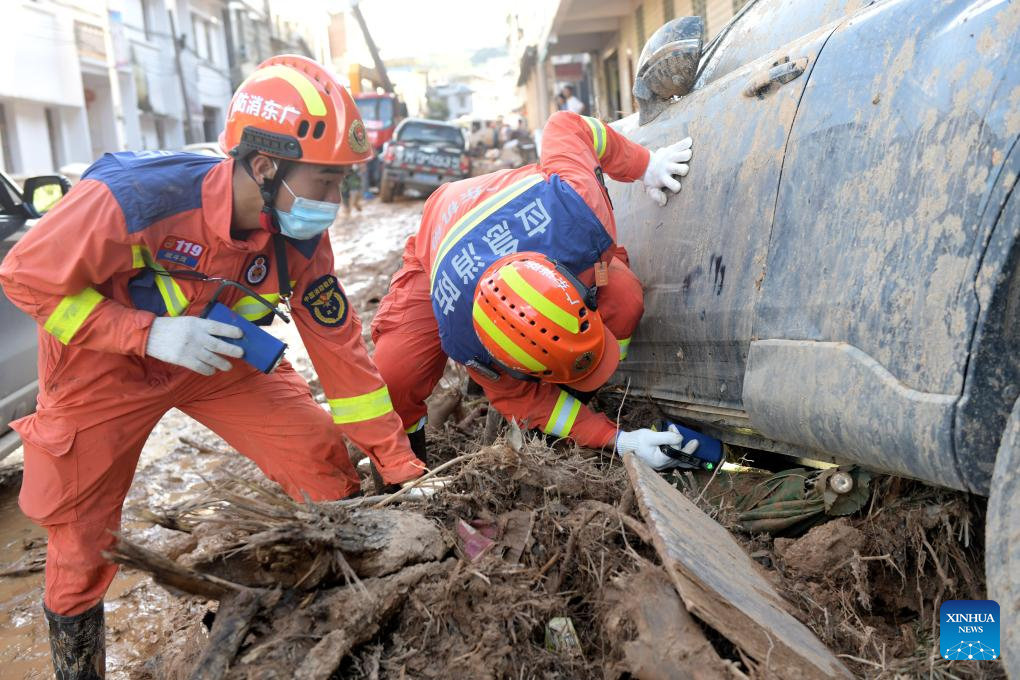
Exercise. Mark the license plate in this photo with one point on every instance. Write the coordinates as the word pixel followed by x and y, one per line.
pixel 426 177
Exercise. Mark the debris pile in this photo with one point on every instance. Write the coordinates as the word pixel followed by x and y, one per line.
pixel 540 561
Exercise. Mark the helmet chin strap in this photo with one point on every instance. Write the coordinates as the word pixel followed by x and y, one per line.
pixel 268 189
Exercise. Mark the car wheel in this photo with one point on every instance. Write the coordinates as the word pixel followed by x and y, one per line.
pixel 386 189
pixel 1002 542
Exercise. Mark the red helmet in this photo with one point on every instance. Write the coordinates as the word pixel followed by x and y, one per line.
pixel 536 318
pixel 292 108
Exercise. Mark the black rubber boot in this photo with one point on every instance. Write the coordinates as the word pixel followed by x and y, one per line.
pixel 78 644
pixel 420 448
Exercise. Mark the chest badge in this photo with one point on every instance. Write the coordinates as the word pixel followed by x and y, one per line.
pixel 257 271
pixel 179 252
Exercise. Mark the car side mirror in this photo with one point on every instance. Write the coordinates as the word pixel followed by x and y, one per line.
pixel 43 192
pixel 668 66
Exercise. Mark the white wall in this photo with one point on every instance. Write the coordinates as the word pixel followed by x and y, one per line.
pixel 38 53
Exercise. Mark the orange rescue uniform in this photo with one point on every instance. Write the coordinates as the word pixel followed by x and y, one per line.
pixel 576 151
pixel 90 274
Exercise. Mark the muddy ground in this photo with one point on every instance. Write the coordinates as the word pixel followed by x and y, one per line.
pixel 868 585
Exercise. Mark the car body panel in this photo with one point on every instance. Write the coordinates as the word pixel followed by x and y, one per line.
pixel 894 155
pixel 701 281
pixel 18 331
pixel 878 323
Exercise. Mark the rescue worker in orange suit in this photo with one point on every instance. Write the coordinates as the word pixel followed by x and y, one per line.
pixel 517 275
pixel 116 276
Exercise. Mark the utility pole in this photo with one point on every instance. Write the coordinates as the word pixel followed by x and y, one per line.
pixel 189 135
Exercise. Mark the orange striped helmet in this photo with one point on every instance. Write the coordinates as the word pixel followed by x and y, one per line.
pixel 290 107
pixel 535 318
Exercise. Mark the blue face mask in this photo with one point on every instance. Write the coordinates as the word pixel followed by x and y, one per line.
pixel 307 218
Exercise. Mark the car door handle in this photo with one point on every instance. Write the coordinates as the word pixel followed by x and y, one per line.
pixel 780 73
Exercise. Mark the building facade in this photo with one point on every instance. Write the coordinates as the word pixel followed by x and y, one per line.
pixel 594 46
pixel 85 77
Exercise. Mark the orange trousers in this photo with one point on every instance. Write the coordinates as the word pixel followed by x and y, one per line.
pixel 410 357
pixel 76 478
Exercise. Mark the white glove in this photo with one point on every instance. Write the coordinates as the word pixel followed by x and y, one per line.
pixel 192 342
pixel 424 490
pixel 663 164
pixel 645 445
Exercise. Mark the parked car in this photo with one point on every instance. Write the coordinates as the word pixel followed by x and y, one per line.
pixel 423 155
pixel 19 384
pixel 839 278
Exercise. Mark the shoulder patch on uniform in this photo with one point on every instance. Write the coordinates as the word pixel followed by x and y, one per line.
pixel 325 301
pixel 257 271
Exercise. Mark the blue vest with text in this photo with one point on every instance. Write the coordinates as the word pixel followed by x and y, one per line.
pixel 534 214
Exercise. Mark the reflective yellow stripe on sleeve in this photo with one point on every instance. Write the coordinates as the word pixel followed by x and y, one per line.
pixel 563 415
pixel 624 347
pixel 253 310
pixel 598 133
pixel 362 407
pixel 173 297
pixel 71 313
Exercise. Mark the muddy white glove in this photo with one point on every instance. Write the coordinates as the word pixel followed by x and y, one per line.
pixel 426 489
pixel 645 444
pixel 663 164
pixel 192 342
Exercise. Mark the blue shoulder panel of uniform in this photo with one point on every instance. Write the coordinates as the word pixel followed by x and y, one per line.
pixel 305 246
pixel 152 185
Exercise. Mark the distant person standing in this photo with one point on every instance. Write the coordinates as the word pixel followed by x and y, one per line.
pixel 561 102
pixel 350 190
pixel 572 103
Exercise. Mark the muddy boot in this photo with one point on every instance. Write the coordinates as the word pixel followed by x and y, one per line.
pixel 420 448
pixel 78 644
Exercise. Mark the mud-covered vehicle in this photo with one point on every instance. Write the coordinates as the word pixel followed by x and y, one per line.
pixel 423 155
pixel 19 384
pixel 838 280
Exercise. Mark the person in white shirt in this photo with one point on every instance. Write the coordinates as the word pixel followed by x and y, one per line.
pixel 574 104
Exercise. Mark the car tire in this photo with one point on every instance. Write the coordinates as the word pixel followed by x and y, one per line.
pixel 1002 542
pixel 386 189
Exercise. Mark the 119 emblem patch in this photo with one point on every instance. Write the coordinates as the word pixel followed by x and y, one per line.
pixel 325 300
pixel 180 251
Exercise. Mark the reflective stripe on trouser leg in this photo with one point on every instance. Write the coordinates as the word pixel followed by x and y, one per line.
pixel 563 415
pixel 361 407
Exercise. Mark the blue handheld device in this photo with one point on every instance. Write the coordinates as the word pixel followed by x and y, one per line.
pixel 261 350
pixel 707 456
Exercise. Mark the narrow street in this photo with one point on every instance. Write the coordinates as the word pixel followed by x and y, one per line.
pixel 367 248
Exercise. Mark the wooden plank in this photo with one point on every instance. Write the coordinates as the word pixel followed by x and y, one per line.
pixel 720 584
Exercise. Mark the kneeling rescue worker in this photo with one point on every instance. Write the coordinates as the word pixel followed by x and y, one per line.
pixel 516 275
pixel 116 276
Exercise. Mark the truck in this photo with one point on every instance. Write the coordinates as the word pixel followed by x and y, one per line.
pixel 422 155
pixel 839 278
